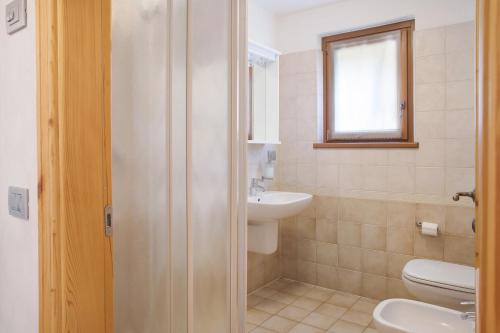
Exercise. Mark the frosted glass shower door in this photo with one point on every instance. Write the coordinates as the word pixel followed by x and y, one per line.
pixel 140 166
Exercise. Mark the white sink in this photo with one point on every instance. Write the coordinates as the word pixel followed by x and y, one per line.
pixel 407 316
pixel 264 212
pixel 275 205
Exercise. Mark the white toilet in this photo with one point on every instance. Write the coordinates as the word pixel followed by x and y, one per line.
pixel 440 282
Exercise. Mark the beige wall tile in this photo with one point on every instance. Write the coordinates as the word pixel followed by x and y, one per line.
pixel 374 262
pixel 289 269
pixel 373 237
pixel 326 207
pixel 349 210
pixel 374 178
pixel 430 69
pixel 401 157
pixel 327 254
pixel 460 36
pixel 460 65
pixel 459 220
pixel 374 286
pixel 306 227
pixel 429 247
pixel 349 281
pixel 430 180
pixel 400 239
pixel 401 179
pixel 397 289
pixel 460 153
pixel 349 234
pixel 430 96
pixel 430 41
pixel 327 179
pixel 395 264
pixel 307 250
pixel 350 257
pixel 460 124
pixel 429 125
pixel 460 95
pixel 306 271
pixel 350 176
pixel 431 153
pixel 327 276
pixel 459 250
pixel 401 214
pixel 326 230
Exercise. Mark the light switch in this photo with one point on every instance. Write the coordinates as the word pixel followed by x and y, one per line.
pixel 18 202
pixel 15 16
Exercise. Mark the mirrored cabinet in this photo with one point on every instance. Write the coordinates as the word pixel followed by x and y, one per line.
pixel 263 115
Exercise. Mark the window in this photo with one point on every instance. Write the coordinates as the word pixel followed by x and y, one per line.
pixel 368 87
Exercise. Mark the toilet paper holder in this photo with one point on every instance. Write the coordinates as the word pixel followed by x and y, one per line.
pixel 419 226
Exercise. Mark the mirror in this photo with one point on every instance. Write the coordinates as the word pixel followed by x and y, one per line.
pixel 263 93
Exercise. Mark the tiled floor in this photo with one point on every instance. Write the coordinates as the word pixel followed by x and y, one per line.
pixel 290 306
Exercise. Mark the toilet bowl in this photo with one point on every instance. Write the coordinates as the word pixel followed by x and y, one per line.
pixel 440 283
pixel 407 316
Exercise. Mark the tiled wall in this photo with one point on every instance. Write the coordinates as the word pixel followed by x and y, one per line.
pixel 360 231
pixel 444 127
pixel 361 245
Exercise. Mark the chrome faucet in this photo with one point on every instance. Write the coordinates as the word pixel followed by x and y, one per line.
pixel 468 314
pixel 255 188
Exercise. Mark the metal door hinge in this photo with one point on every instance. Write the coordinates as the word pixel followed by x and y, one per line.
pixel 108 221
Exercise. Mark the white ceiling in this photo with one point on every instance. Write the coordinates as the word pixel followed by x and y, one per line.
pixel 281 7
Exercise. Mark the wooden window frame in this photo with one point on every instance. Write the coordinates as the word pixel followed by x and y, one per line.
pixel 406 55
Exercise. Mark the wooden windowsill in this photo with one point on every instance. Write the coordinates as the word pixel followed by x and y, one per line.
pixel 366 145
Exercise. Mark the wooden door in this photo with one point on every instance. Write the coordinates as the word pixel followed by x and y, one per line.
pixel 488 165
pixel 74 169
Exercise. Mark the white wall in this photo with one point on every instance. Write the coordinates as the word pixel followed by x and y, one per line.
pixel 18 167
pixel 261 25
pixel 302 30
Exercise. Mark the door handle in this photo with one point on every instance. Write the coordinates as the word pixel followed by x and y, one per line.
pixel 471 195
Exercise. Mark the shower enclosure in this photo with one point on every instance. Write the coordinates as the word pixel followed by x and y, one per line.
pixel 177 225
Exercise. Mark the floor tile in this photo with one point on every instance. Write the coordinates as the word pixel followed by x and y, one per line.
pixel 346 327
pixel 256 317
pixel 319 294
pixel 264 292
pixel 250 327
pixel 283 298
pixel 357 317
pixel 370 330
pixel 297 289
pixel 343 299
pixel 279 324
pixel 364 306
pixel 270 306
pixel 306 303
pixel 319 320
pixel 301 328
pixel 294 313
pixel 262 330
pixel 331 310
pixel 253 300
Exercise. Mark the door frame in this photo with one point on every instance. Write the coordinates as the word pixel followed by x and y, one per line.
pixel 488 165
pixel 73 116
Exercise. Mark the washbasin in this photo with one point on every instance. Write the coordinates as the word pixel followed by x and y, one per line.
pixel 408 316
pixel 274 205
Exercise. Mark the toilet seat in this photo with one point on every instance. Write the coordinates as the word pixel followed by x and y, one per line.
pixel 441 275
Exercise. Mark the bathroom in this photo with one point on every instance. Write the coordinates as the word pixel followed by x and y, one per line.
pixel 263 166
pixel 360 230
